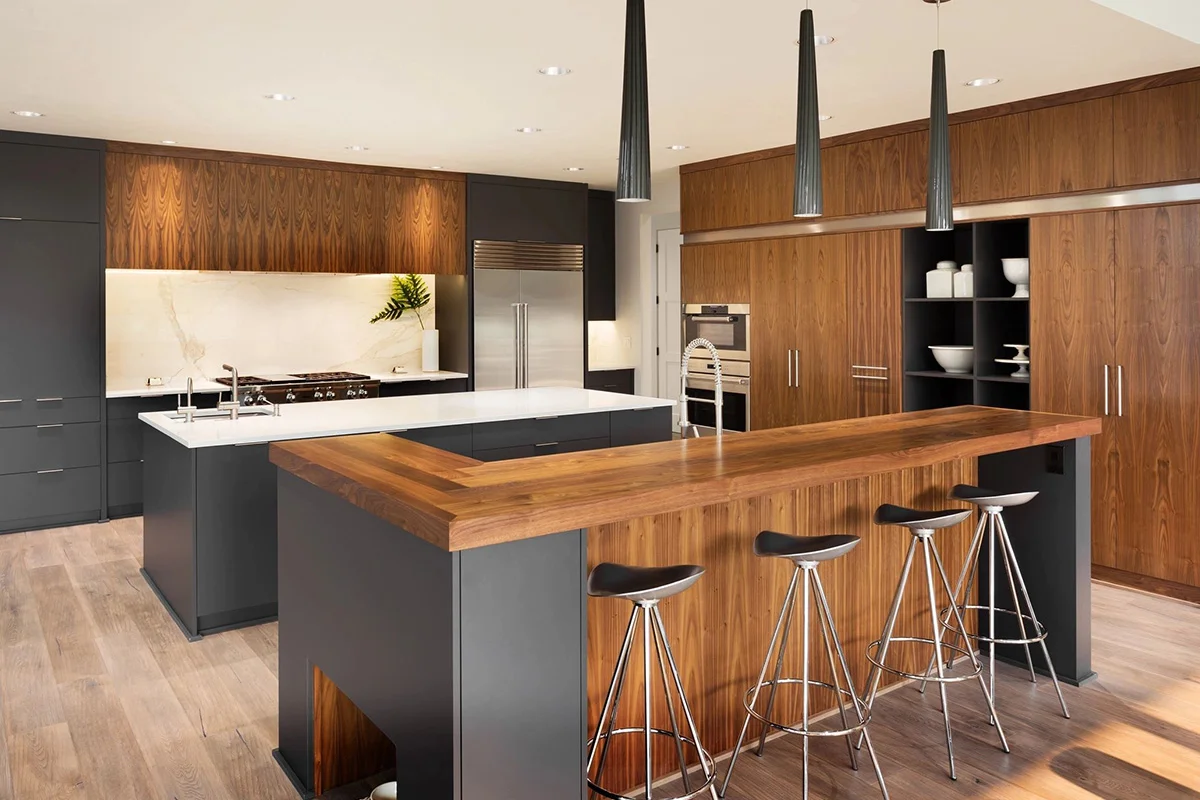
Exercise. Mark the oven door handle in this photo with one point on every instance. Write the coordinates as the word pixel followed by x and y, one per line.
pixel 702 318
pixel 728 384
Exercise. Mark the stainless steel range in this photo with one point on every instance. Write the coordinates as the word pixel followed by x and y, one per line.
pixel 303 387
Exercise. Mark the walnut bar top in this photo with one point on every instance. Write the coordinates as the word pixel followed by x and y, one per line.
pixel 458 503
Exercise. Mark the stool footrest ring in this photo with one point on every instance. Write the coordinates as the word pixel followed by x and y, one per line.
pixel 948 649
pixel 1040 631
pixel 708 764
pixel 779 726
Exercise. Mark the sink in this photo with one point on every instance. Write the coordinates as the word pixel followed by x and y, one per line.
pixel 218 413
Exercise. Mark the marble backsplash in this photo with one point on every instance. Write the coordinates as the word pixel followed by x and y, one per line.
pixel 178 325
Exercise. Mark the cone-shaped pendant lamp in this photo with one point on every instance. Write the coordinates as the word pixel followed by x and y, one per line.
pixel 633 170
pixel 939 197
pixel 808 200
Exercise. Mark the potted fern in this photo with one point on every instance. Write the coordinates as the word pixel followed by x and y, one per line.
pixel 409 293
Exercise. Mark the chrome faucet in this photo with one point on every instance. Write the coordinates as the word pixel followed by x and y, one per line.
pixel 189 410
pixel 233 405
pixel 685 428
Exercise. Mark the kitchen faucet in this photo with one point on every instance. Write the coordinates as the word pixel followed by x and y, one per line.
pixel 685 428
pixel 233 405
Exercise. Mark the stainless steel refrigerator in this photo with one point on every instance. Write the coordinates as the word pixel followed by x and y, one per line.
pixel 529 318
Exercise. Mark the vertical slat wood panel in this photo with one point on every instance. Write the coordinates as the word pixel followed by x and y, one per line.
pixel 202 213
pixel 720 629
pixel 1072 148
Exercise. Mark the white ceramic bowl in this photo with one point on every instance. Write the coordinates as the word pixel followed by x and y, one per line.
pixel 387 791
pixel 1016 270
pixel 955 359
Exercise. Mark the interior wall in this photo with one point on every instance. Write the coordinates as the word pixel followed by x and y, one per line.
pixel 637 228
pixel 177 324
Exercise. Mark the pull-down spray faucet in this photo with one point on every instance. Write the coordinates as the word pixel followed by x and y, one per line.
pixel 687 429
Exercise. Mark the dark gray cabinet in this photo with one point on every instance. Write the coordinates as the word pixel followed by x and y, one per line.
pixel 51 331
pixel 430 386
pixel 39 182
pixel 125 435
pixel 520 209
pixel 609 380
pixel 452 438
pixel 600 257
pixel 640 426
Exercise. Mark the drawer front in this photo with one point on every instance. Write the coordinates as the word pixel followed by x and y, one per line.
pixel 641 426
pixel 29 496
pixel 452 439
pixel 47 447
pixel 574 446
pixel 572 427
pixel 130 407
pixel 125 430
pixel 407 388
pixel 125 488
pixel 23 412
pixel 610 380
pixel 507 453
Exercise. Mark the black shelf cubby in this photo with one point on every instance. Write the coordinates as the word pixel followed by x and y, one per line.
pixel 988 321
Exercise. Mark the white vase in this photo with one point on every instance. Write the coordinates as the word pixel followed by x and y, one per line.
pixel 939 283
pixel 429 351
pixel 964 281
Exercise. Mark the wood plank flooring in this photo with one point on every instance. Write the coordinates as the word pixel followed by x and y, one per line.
pixel 101 698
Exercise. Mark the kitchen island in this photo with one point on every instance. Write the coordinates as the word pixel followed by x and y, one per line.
pixel 432 612
pixel 210 548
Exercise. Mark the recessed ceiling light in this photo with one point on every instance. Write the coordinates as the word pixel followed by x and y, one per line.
pixel 553 71
pixel 573 169
pixel 982 82
pixel 358 148
pixel 824 117
pixel 677 147
pixel 529 130
pixel 168 141
pixel 29 113
pixel 820 40
pixel 280 96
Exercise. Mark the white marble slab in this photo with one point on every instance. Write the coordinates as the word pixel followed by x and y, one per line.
pixel 382 414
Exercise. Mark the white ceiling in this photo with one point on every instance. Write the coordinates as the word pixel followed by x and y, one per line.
pixel 446 83
pixel 1180 17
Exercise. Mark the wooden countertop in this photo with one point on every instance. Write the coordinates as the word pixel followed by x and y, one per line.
pixel 458 503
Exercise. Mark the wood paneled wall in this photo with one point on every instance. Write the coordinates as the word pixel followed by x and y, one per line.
pixel 719 630
pixel 169 209
pixel 1135 133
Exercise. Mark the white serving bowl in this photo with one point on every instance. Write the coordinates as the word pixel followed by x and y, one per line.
pixel 1016 270
pixel 956 359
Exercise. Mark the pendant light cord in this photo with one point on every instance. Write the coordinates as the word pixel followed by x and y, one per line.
pixel 939 24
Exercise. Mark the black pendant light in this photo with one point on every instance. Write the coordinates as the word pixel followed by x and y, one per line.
pixel 939 197
pixel 633 170
pixel 808 200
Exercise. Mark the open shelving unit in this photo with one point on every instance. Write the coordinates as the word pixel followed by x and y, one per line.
pixel 987 321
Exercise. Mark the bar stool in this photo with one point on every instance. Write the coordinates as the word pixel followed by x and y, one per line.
pixel 992 520
pixel 644 587
pixel 805 553
pixel 922 525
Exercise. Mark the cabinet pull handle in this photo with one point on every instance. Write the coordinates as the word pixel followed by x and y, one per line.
pixel 869 377
pixel 11 219
pixel 55 425
pixel 48 471
pixel 1120 391
pixel 546 444
pixel 49 400
pixel 1105 390
pixel 859 366
pixel 789 360
pixel 797 352
pixel 4 402
pixel 553 417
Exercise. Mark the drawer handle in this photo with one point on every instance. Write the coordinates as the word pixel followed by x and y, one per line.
pixel 11 219
pixel 3 402
pixel 554 417
pixel 859 366
pixel 48 471
pixel 546 444
pixel 49 400
pixel 55 425
pixel 868 377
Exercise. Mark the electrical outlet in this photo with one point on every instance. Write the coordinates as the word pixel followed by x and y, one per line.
pixel 1055 456
pixel 627 342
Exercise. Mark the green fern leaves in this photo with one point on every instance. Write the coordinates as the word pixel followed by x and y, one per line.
pixel 409 293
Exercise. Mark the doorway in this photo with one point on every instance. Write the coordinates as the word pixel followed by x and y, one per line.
pixel 668 312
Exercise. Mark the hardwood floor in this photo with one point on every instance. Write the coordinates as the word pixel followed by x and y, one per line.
pixel 101 697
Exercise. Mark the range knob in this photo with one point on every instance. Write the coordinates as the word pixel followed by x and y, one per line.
pixel 290 396
pixel 362 391
pixel 351 394
pixel 318 394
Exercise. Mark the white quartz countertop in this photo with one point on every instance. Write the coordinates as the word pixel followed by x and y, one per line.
pixel 136 387
pixel 383 414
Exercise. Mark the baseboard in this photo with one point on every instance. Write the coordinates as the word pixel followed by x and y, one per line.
pixel 1145 583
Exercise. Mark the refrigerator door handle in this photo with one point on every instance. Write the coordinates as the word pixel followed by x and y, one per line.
pixel 524 345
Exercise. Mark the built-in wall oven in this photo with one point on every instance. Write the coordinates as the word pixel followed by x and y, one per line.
pixel 726 325
pixel 735 390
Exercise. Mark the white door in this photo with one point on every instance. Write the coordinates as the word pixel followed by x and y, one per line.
pixel 670 314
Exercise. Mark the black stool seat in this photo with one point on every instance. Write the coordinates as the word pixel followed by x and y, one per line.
pixel 641 584
pixel 803 548
pixel 987 497
pixel 888 514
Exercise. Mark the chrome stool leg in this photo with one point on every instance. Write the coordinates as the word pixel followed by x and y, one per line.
pixel 811 588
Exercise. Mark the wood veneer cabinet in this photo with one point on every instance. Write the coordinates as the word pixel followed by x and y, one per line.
pixel 716 273
pixel 1073 147
pixel 1123 289
pixel 873 306
pixel 182 211
pixel 1155 134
